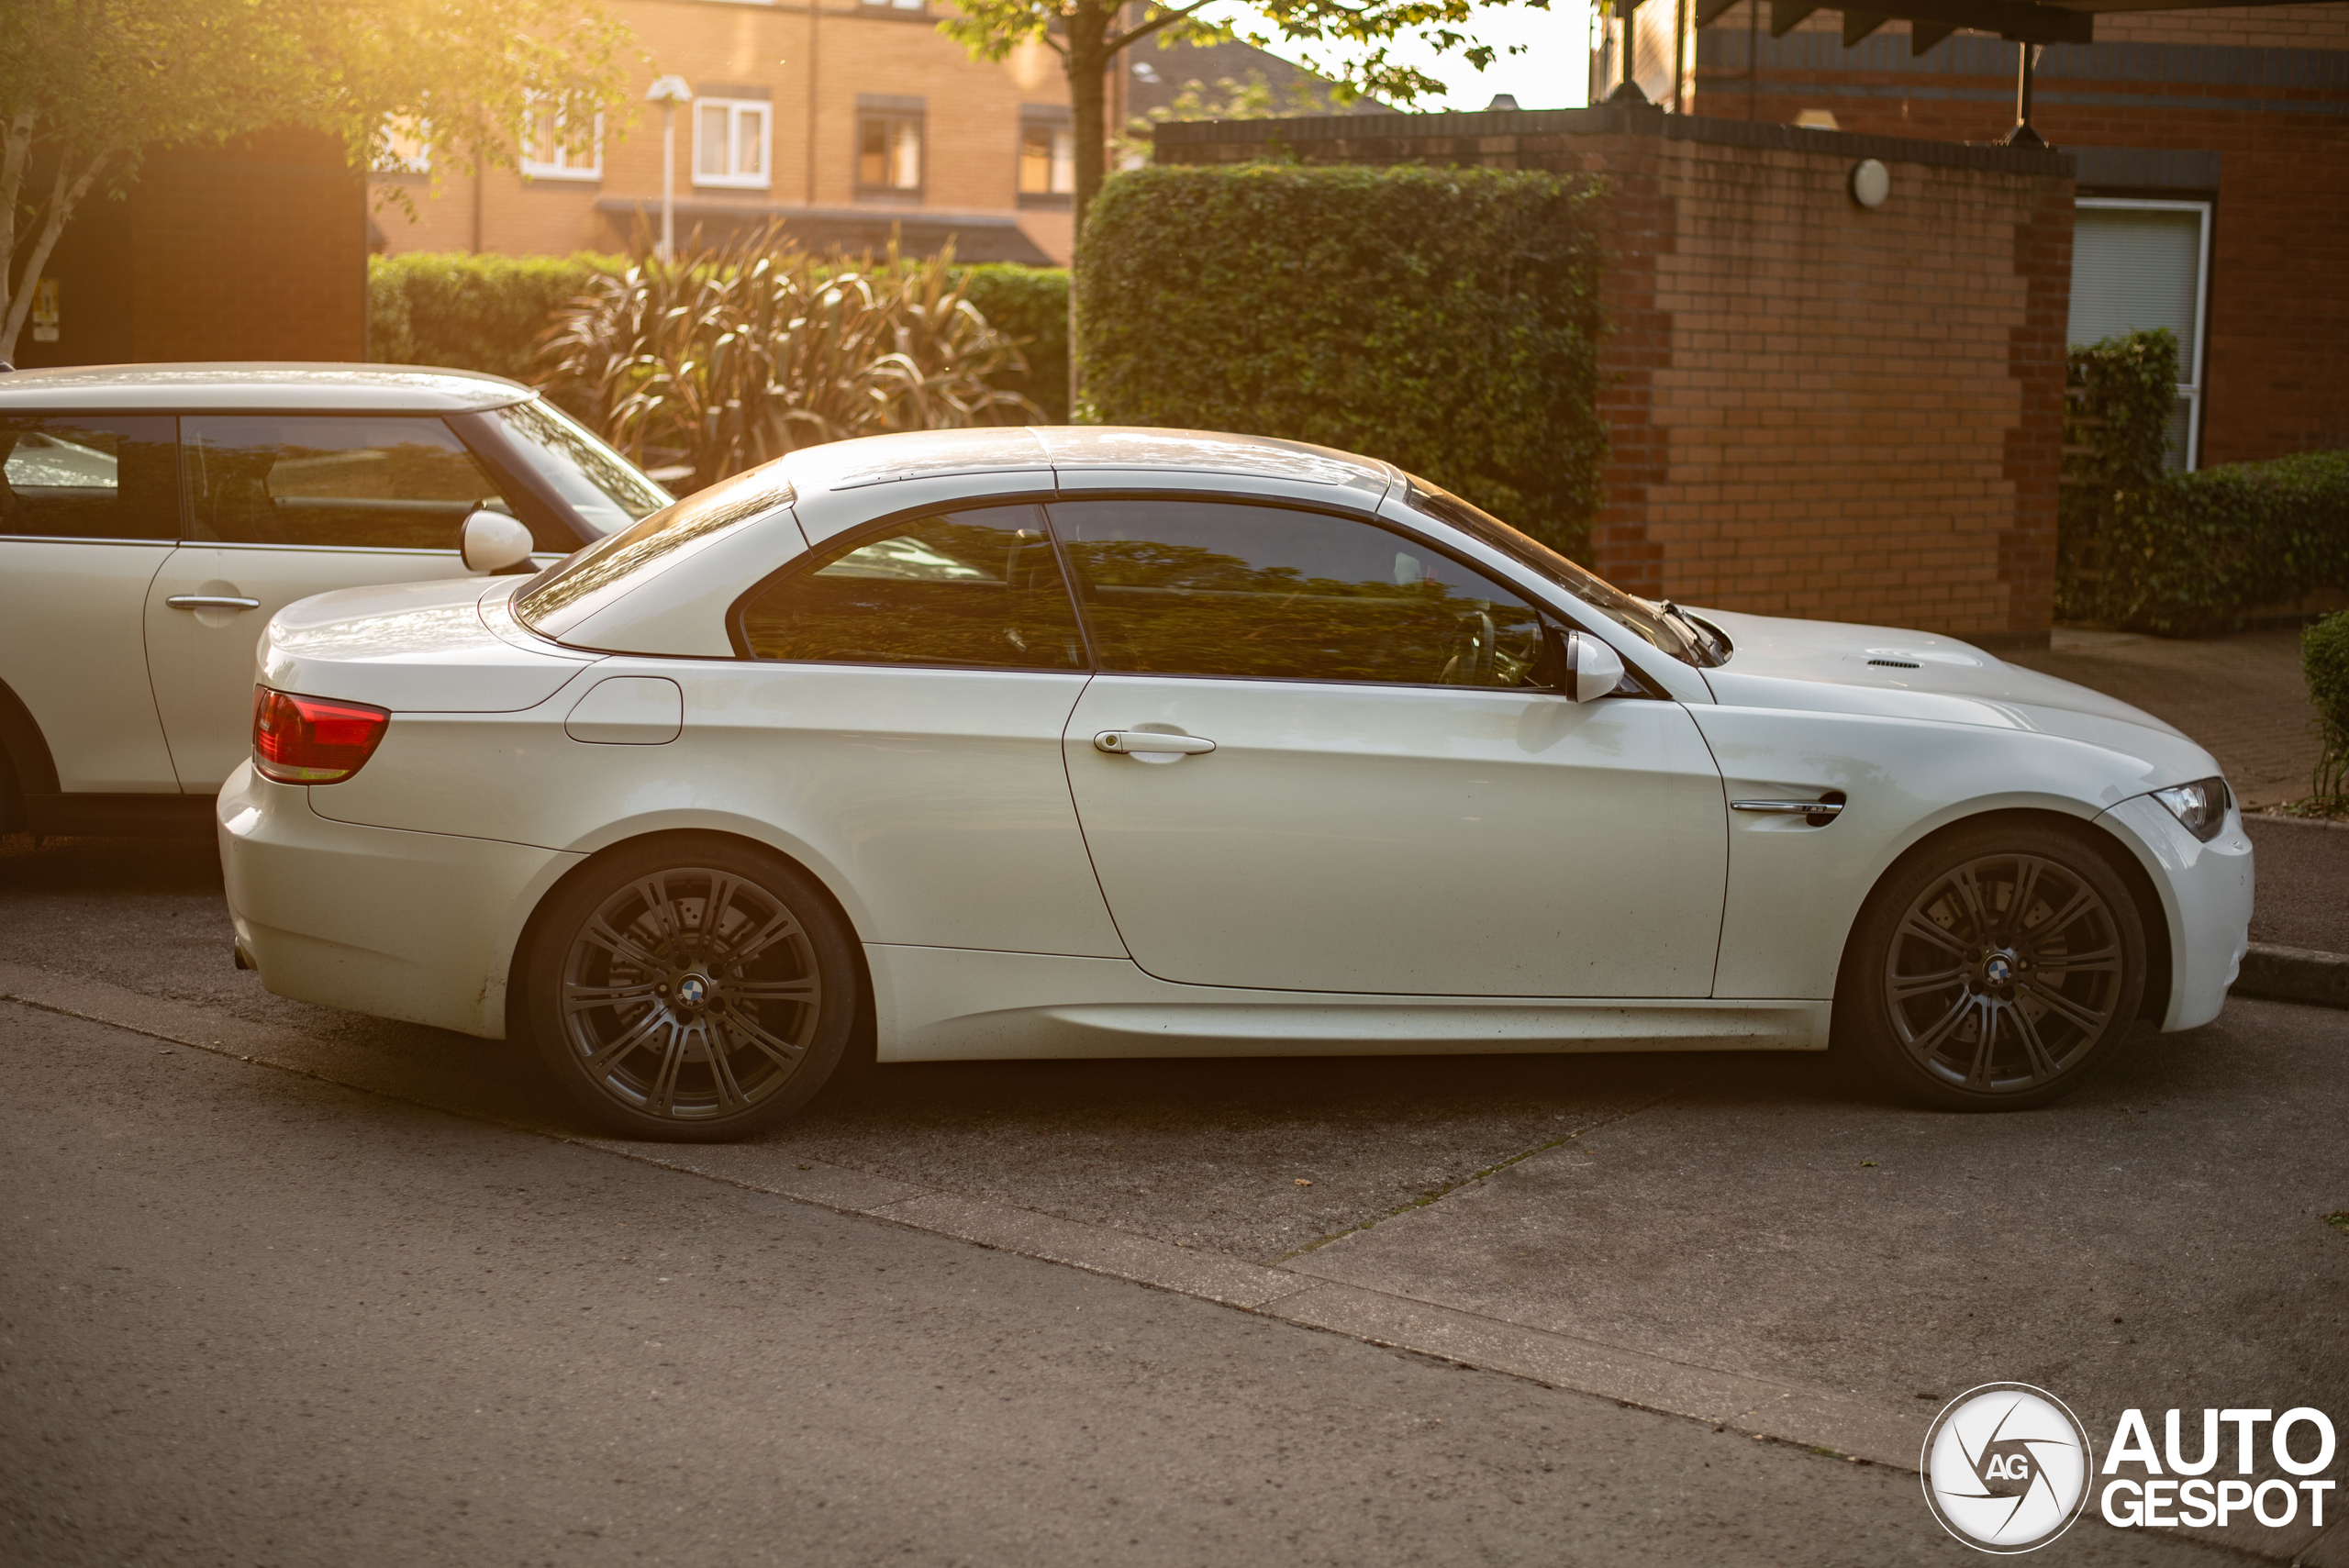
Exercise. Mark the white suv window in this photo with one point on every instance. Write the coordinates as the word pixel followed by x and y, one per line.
pixel 88 477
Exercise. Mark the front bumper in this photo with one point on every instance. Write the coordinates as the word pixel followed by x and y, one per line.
pixel 2206 897
pixel 414 925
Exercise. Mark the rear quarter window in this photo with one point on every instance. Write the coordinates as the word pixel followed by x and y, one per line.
pixel 571 591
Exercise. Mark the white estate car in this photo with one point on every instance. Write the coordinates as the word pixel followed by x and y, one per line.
pixel 153 517
pixel 1127 743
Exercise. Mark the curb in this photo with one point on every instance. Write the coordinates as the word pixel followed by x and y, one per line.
pixel 2294 974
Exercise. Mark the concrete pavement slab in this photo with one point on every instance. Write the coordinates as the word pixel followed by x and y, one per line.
pixel 2301 869
pixel 250 1317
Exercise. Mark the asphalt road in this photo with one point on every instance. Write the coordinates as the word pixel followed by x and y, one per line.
pixel 377 1304
pixel 250 1317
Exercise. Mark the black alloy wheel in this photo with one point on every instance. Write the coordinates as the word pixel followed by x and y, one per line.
pixel 690 989
pixel 1994 969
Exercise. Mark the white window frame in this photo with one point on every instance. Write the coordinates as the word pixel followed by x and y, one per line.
pixel 560 168
pixel 733 179
pixel 2189 386
pixel 1057 130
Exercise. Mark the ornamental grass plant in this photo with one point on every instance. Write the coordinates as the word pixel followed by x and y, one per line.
pixel 738 353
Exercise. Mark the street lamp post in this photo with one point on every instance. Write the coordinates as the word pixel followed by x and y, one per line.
pixel 669 92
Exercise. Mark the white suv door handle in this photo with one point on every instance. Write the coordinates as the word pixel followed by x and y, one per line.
pixel 1142 743
pixel 211 602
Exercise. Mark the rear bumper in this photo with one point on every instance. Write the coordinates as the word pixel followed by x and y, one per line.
pixel 2206 895
pixel 414 925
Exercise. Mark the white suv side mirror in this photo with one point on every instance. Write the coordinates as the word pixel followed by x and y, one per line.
pixel 1592 669
pixel 491 541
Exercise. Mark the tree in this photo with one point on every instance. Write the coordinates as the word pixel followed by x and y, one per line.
pixel 1088 34
pixel 87 86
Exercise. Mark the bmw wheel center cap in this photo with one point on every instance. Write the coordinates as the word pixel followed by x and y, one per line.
pixel 692 990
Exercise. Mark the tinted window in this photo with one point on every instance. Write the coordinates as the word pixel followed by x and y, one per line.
pixel 979 588
pixel 569 591
pixel 88 477
pixel 603 489
pixel 1219 588
pixel 379 481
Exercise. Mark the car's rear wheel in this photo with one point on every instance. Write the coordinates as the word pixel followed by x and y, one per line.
pixel 1994 969
pixel 691 989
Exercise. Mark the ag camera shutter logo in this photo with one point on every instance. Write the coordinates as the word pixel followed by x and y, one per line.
pixel 2006 1467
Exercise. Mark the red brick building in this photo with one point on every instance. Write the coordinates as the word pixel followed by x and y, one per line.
pixel 256 250
pixel 2211 154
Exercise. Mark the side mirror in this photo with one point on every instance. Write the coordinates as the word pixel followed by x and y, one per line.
pixel 491 541
pixel 1588 667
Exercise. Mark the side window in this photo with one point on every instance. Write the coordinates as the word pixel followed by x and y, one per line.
pixel 978 589
pixel 1179 588
pixel 374 482
pixel 88 477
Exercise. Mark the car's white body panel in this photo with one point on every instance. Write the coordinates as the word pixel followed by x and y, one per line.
pixel 131 695
pixel 1355 868
pixel 72 650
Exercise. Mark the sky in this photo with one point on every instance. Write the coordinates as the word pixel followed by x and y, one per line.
pixel 1553 73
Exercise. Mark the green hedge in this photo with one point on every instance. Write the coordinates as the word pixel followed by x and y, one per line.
pixel 2324 658
pixel 485 312
pixel 1444 319
pixel 2191 555
pixel 467 312
pixel 2181 554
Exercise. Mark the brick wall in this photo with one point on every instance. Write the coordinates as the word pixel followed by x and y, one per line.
pixel 256 250
pixel 2258 99
pixel 1815 409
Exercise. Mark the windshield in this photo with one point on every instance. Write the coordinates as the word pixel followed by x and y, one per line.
pixel 604 490
pixel 575 587
pixel 1663 626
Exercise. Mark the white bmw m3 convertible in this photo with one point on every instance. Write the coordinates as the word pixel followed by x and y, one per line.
pixel 1137 742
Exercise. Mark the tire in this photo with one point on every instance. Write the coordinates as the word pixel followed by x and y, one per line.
pixel 664 1021
pixel 1946 993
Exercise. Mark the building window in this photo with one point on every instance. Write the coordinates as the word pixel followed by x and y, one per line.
pixel 730 141
pixel 2137 265
pixel 894 5
pixel 1047 158
pixel 552 151
pixel 888 146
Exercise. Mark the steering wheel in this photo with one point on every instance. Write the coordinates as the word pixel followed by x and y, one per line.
pixel 1473 654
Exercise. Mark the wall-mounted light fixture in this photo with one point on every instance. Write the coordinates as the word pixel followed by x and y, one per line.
pixel 1870 183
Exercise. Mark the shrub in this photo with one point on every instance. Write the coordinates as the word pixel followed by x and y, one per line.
pixel 2324 659
pixel 2191 555
pixel 467 312
pixel 730 356
pixel 487 313
pixel 1029 306
pixel 2118 397
pixel 1444 319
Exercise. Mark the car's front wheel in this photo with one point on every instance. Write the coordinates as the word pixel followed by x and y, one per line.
pixel 691 989
pixel 1994 969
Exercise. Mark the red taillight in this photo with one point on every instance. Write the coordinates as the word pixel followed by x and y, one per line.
pixel 311 740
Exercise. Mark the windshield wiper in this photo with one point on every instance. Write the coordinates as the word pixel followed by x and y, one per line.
pixel 1702 635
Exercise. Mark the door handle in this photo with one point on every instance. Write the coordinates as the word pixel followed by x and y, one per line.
pixel 1142 743
pixel 211 602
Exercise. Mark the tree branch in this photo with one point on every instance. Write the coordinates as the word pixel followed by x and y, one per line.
pixel 1167 17
pixel 18 149
pixel 61 200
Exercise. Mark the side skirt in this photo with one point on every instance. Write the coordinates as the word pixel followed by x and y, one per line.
pixel 963 1005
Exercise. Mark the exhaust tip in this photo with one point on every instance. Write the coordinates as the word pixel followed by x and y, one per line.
pixel 237 951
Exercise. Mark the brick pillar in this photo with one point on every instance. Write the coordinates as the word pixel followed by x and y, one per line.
pixel 1639 224
pixel 2035 454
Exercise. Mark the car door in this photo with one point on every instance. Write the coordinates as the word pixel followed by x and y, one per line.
pixel 901 712
pixel 1389 805
pixel 89 511
pixel 282 507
